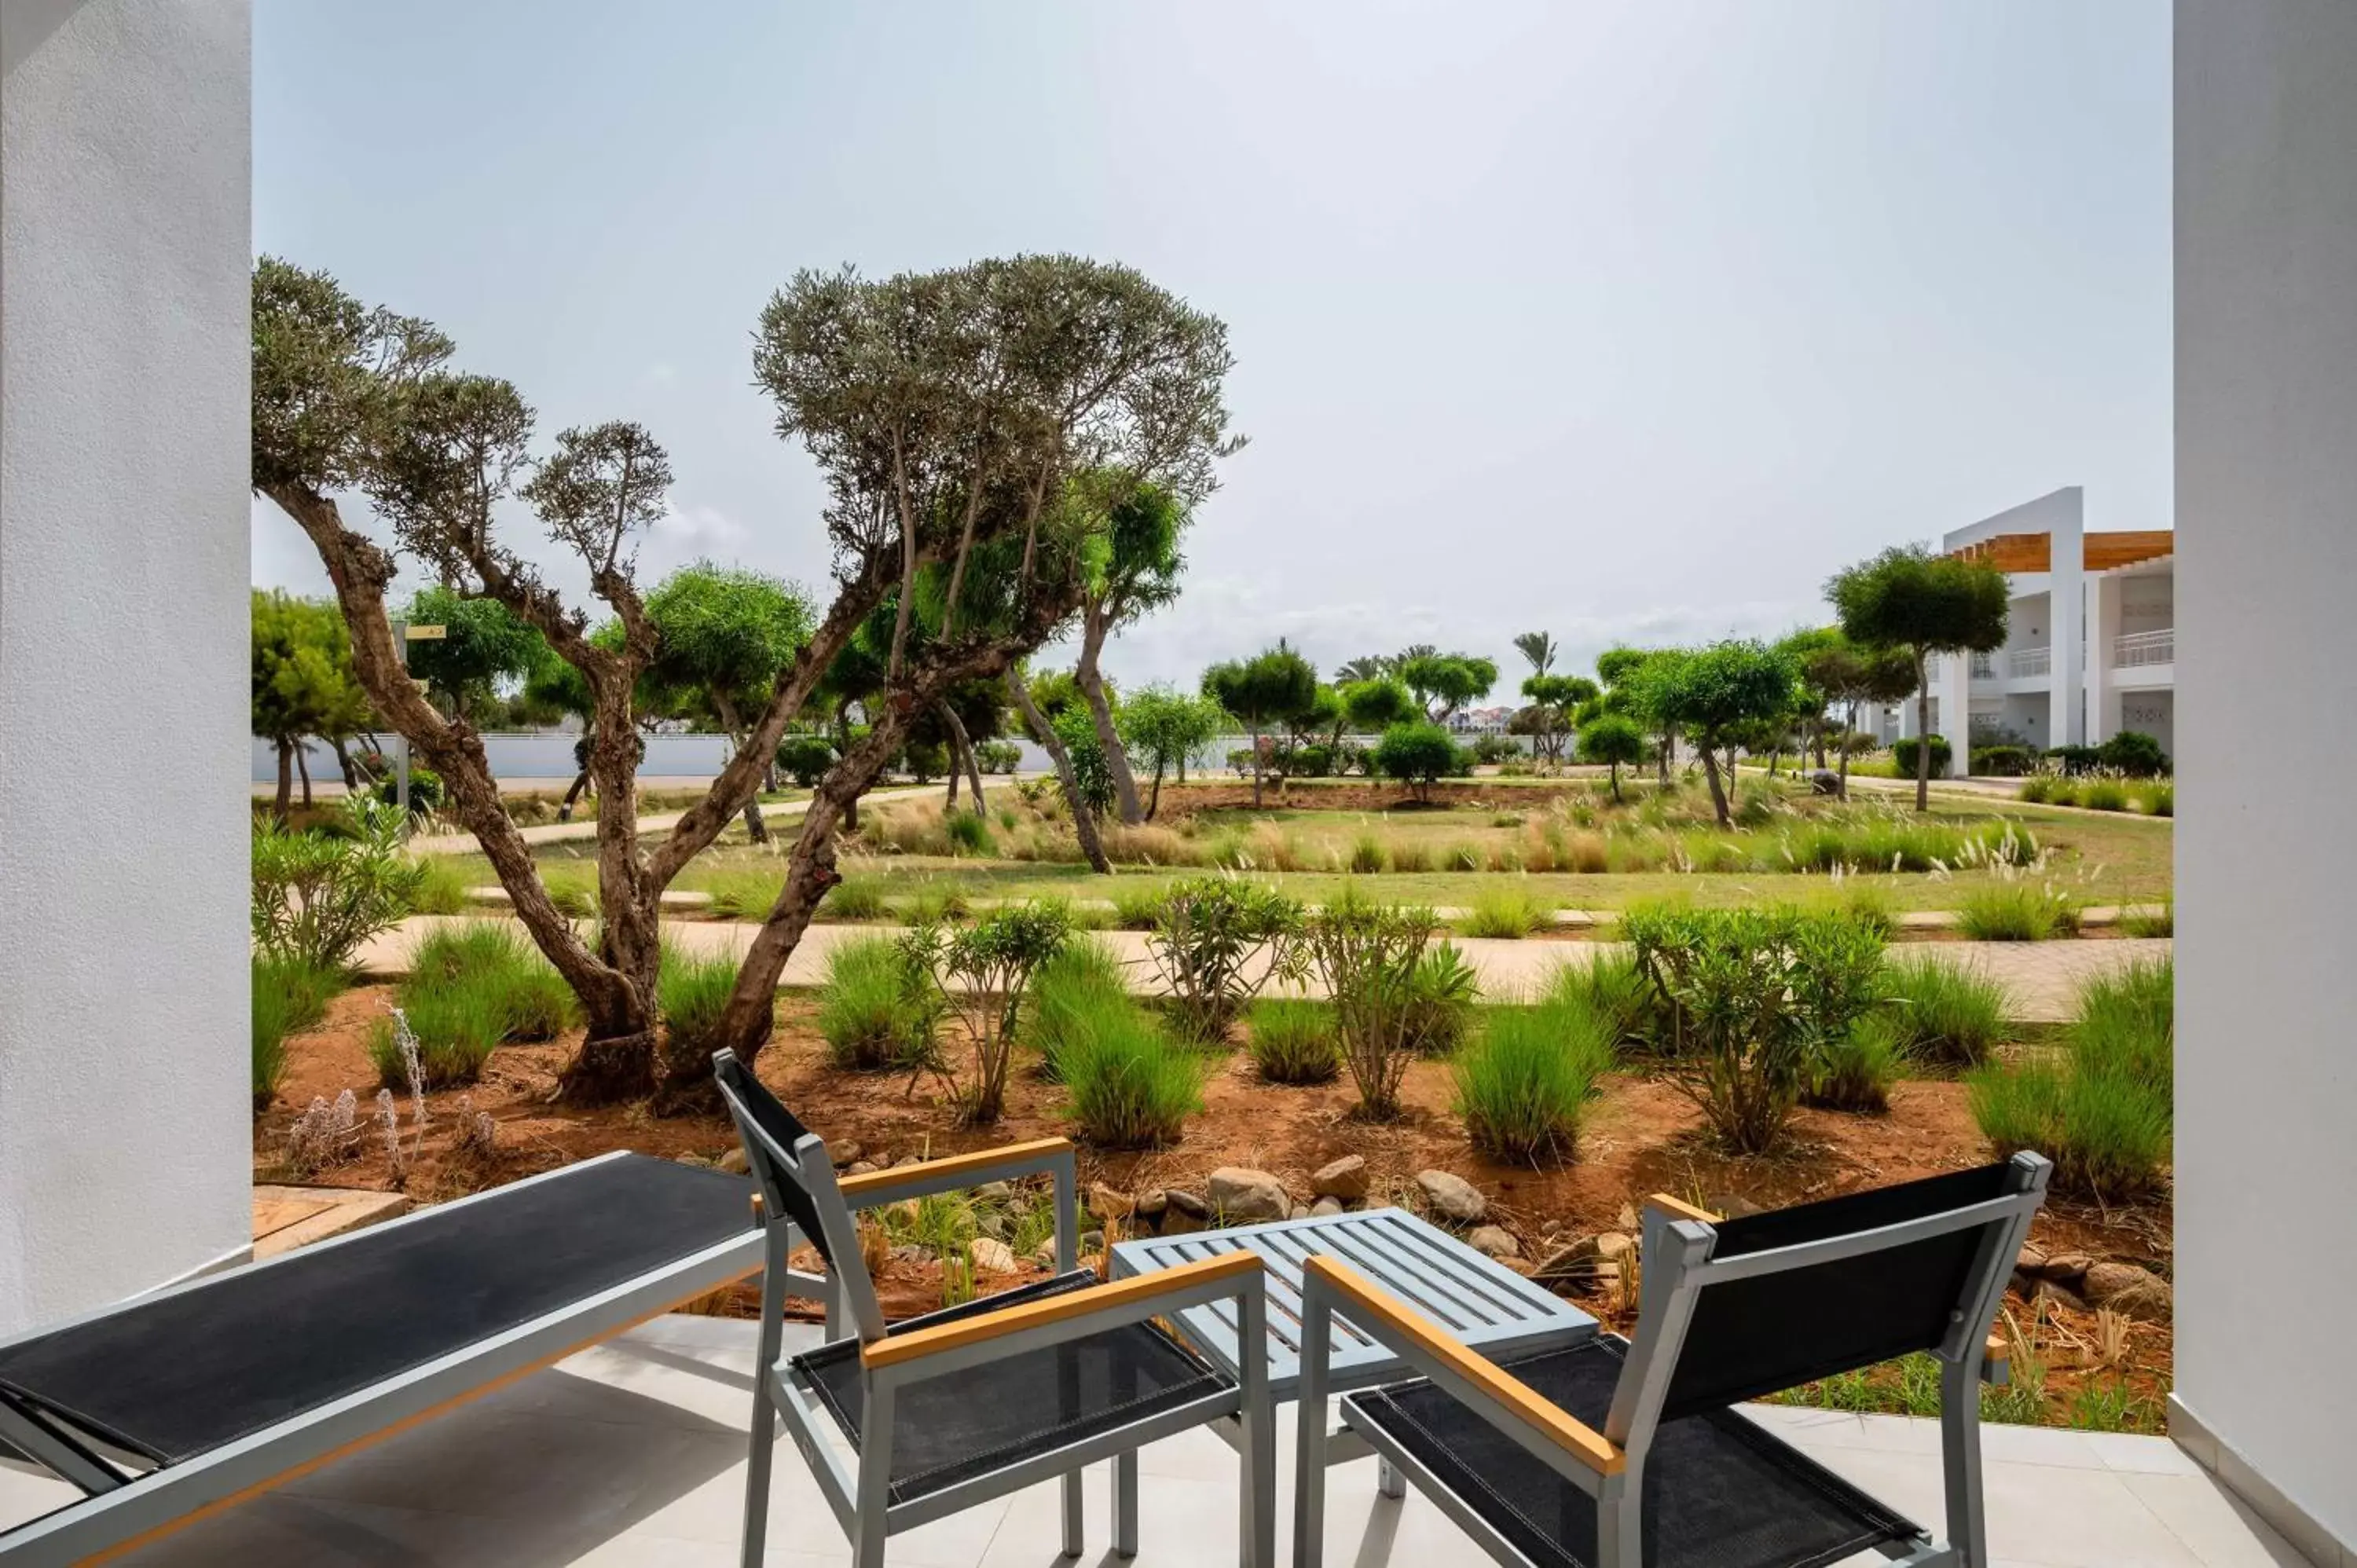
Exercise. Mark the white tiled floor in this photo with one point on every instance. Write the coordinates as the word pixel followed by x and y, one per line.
pixel 632 1456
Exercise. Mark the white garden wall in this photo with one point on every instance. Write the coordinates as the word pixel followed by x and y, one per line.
pixel 125 248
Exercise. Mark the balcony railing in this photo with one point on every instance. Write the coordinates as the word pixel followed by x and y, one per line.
pixel 2145 648
pixel 2026 662
pixel 1983 667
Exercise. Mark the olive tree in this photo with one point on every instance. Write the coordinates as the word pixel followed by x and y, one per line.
pixel 1377 703
pixel 1166 727
pixel 1712 693
pixel 722 637
pixel 1919 604
pixel 1849 676
pixel 1613 740
pixel 945 411
pixel 1131 565
pixel 1553 700
pixel 1444 683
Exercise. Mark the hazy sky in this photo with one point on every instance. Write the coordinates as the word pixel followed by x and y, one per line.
pixel 1626 321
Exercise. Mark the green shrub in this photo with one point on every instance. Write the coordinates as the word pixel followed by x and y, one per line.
pixel 1070 990
pixel 2158 922
pixel 986 970
pixel 290 995
pixel 1902 753
pixel 495 956
pixel 426 791
pixel 1512 912
pixel 2101 1107
pixel 318 895
pixel 1871 905
pixel 1367 857
pixel 2156 798
pixel 1754 997
pixel 1854 1072
pixel 932 905
pixel 2003 761
pixel 745 894
pixel 997 756
pixel 692 990
pixel 1417 754
pixel 2075 760
pixel 1462 857
pixel 1946 1013
pixel 1131 1087
pixel 2045 789
pixel 2103 795
pixel 875 1011
pixel 1524 1083
pixel 805 757
pixel 2016 911
pixel 574 892
pixel 1616 991
pixel 1136 904
pixel 1294 1041
pixel 1367 954
pixel 970 833
pixel 855 898
pixel 1443 991
pixel 1216 941
pixel 2134 752
pixel 442 888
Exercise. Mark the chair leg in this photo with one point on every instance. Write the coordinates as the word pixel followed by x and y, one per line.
pixel 1960 1459
pixel 1125 1504
pixel 1389 1482
pixel 1074 1542
pixel 756 1468
pixel 1257 1465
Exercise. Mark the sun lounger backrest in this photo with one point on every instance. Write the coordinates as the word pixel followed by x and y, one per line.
pixel 1758 1333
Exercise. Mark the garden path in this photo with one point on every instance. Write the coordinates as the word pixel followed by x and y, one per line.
pixel 2043 979
pixel 559 832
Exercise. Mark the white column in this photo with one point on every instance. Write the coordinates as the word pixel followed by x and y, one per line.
pixel 2066 720
pixel 126 251
pixel 1955 688
pixel 2103 597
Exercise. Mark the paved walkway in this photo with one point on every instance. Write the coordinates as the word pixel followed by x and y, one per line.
pixel 632 1455
pixel 2043 979
pixel 560 832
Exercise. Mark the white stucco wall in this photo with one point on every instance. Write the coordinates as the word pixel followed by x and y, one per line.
pixel 125 248
pixel 2267 500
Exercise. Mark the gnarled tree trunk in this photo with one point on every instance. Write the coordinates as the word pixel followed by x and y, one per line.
pixel 1084 822
pixel 1092 692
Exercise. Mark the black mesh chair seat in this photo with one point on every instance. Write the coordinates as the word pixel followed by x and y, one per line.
pixel 985 1418
pixel 1719 1492
pixel 189 1371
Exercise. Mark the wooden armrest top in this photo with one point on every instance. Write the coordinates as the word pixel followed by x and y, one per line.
pixel 1053 1309
pixel 868 1184
pixel 1677 1210
pixel 1995 1348
pixel 1370 1305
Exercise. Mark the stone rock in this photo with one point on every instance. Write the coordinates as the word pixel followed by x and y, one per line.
pixel 991 1256
pixel 2030 1262
pixel 1241 1196
pixel 1149 1204
pixel 1300 1211
pixel 847 1153
pixel 736 1162
pixel 1109 1203
pixel 1519 1265
pixel 995 1191
pixel 1627 1218
pixel 1184 1202
pixel 1491 1242
pixel 1598 1259
pixel 908 1252
pixel 1732 1206
pixel 1345 1178
pixel 905 1161
pixel 1452 1196
pixel 2062 1294
pixel 1821 783
pixel 1324 1208
pixel 2065 1266
pixel 1044 1254
pixel 702 1162
pixel 2127 1289
pixel 1611 1247
pixel 861 1167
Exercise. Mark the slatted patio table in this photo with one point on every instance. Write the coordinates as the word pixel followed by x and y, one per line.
pixel 1485 1305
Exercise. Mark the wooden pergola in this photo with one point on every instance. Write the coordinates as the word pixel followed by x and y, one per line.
pixel 2098 552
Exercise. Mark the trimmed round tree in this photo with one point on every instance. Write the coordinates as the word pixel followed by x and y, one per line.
pixel 1263 693
pixel 1418 756
pixel 1613 740
pixel 1910 599
pixel 1713 693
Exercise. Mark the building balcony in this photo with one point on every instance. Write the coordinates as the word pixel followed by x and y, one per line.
pixel 2024 663
pixel 2137 649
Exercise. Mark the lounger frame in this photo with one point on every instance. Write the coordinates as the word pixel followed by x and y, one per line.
pixel 125 1510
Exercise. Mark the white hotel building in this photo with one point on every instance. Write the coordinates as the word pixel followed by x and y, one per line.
pixel 2091 644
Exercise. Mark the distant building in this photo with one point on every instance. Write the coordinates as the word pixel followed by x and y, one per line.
pixel 2091 644
pixel 1481 721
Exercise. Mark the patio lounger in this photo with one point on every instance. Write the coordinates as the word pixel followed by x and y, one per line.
pixel 1620 1453
pixel 950 1410
pixel 172 1406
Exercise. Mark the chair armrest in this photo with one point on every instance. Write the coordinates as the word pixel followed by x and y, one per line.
pixel 955 1171
pixel 1426 1344
pixel 1663 1203
pixel 1075 1314
pixel 1996 1361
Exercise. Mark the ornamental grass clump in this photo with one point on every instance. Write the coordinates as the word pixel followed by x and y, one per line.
pixel 878 1011
pixel 1509 912
pixel 692 992
pixel 1294 1041
pixel 2015 909
pixel 472 987
pixel 1131 1086
pixel 1525 1080
pixel 1443 992
pixel 1071 991
pixel 1366 953
pixel 1216 941
pixel 1854 1072
pixel 1753 999
pixel 1617 991
pixel 2101 1107
pixel 290 995
pixel 1948 1014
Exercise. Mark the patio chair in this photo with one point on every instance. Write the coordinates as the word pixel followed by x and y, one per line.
pixel 171 1406
pixel 1619 1453
pixel 946 1411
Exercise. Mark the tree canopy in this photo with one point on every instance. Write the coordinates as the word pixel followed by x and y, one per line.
pixel 302 682
pixel 1269 690
pixel 1444 683
pixel 1713 692
pixel 1910 599
pixel 483 647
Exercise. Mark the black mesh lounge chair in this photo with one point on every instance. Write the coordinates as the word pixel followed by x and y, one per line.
pixel 176 1405
pixel 1615 1452
pixel 952 1409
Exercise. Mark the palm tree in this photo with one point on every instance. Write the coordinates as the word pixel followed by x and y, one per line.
pixel 1539 648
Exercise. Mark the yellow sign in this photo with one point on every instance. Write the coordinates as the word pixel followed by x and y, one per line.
pixel 427 633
